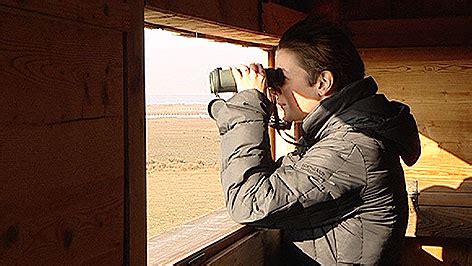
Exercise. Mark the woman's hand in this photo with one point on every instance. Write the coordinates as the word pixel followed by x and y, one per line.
pixel 249 77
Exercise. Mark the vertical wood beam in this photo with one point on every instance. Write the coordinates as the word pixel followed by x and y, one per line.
pixel 135 246
pixel 271 62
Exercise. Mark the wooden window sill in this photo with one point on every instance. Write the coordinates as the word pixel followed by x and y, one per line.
pixel 196 241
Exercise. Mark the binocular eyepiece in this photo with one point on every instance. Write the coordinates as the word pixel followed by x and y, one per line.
pixel 223 80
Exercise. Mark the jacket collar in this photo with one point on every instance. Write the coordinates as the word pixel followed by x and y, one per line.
pixel 313 123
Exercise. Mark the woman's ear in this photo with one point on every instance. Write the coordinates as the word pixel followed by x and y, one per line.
pixel 326 81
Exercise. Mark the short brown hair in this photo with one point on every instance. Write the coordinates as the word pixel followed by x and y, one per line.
pixel 321 45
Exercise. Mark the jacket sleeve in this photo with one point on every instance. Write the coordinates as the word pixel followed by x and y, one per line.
pixel 300 193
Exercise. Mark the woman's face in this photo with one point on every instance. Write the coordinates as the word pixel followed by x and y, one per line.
pixel 296 97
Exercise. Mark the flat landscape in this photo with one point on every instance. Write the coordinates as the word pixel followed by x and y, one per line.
pixel 182 166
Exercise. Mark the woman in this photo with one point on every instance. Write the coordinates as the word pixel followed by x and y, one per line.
pixel 340 198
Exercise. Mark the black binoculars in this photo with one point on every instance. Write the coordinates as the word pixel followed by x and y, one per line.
pixel 223 80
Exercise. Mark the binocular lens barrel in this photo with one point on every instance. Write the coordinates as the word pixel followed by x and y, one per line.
pixel 223 80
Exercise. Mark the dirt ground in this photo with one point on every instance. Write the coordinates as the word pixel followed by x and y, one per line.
pixel 182 171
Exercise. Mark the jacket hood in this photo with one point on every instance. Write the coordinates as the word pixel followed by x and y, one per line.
pixel 361 108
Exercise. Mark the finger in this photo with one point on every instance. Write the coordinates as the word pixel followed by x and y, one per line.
pixel 257 68
pixel 236 72
pixel 254 67
pixel 260 69
pixel 244 69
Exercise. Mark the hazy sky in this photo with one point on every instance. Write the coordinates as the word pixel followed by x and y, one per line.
pixel 176 65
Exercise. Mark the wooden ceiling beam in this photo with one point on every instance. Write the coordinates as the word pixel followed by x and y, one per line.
pixel 245 21
pixel 428 32
pixel 243 14
pixel 240 20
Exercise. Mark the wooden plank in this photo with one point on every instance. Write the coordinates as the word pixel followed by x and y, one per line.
pixel 57 71
pixel 199 239
pixel 424 32
pixel 439 168
pixel 214 20
pixel 366 10
pixel 271 239
pixel 435 83
pixel 224 20
pixel 431 54
pixel 207 29
pixel 277 18
pixel 134 138
pixel 63 201
pixel 430 8
pixel 105 13
pixel 452 222
pixel 421 68
pixel 246 251
pixel 438 184
pixel 272 133
pixel 62 141
pixel 455 111
pixel 449 198
pixel 451 136
pixel 217 12
pixel 436 251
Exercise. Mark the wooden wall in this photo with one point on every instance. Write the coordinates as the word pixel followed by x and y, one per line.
pixel 71 131
pixel 436 84
pixel 400 9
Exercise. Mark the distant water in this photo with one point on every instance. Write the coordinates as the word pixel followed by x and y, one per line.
pixel 157 116
pixel 176 99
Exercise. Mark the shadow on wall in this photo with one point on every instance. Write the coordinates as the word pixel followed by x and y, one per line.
pixel 443 227
pixel 435 83
pixel 456 143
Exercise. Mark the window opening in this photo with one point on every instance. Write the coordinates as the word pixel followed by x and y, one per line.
pixel 182 141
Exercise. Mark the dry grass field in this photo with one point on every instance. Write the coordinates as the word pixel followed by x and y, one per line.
pixel 182 167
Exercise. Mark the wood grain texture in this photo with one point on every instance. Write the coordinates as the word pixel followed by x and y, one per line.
pixel 430 8
pixel 64 198
pixel 366 10
pixel 435 83
pixel 436 88
pixel 453 222
pixel 256 24
pixel 440 171
pixel 134 138
pixel 381 9
pixel 56 72
pixel 104 13
pixel 440 221
pixel 447 199
pixel 277 19
pixel 62 141
pixel 220 20
pixel 446 185
pixel 258 248
pixel 246 251
pixel 436 251
pixel 196 241
pixel 217 12
pixel 424 32
pixel 200 27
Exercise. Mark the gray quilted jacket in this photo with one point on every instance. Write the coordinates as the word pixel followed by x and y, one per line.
pixel 341 197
